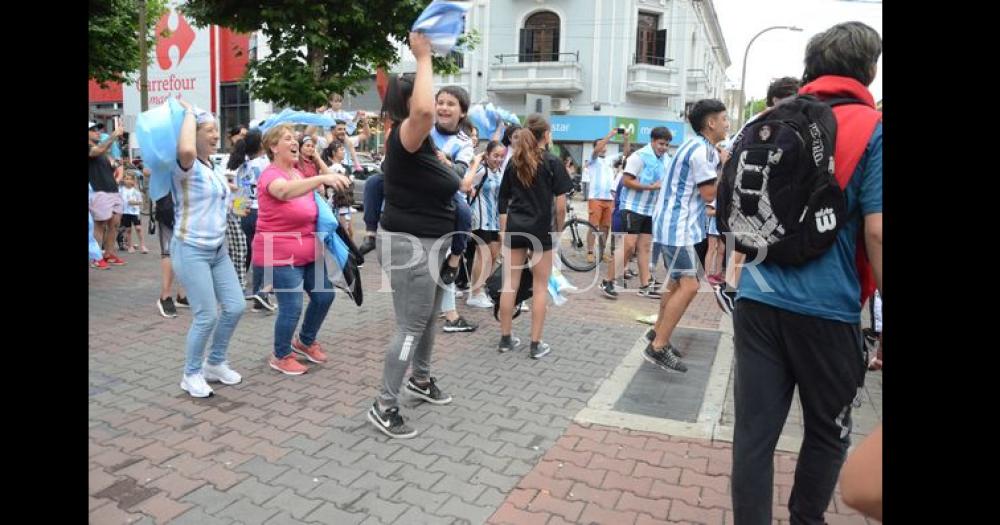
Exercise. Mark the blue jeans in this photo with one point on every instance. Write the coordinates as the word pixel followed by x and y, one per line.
pixel 289 283
pixel 374 197
pixel 680 261
pixel 463 224
pixel 209 277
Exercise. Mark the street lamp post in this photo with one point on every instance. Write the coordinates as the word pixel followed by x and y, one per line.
pixel 743 76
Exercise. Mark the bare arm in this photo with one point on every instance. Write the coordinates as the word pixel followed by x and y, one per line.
pixel 354 154
pixel 707 191
pixel 186 150
pixel 286 190
pixel 499 132
pixel 604 141
pixel 861 477
pixel 417 125
pixel 873 245
pixel 470 176
pixel 630 181
pixel 560 212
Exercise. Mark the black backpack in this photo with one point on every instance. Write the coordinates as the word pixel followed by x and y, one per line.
pixel 494 285
pixel 778 192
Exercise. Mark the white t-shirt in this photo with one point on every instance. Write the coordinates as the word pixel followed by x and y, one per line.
pixel 130 194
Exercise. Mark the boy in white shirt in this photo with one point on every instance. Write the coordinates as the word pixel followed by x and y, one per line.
pixel 132 199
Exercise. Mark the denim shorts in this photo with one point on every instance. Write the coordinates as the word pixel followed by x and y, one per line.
pixel 680 261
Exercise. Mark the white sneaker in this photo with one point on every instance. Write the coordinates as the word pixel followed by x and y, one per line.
pixel 480 301
pixel 525 307
pixel 195 385
pixel 222 373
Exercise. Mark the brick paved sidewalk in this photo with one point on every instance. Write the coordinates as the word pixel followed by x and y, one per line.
pixel 280 449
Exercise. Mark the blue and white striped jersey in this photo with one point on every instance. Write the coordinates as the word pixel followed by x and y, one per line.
pixel 457 147
pixel 679 218
pixel 486 208
pixel 642 202
pixel 201 202
pixel 601 174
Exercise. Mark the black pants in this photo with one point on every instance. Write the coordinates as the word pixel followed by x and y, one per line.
pixel 775 351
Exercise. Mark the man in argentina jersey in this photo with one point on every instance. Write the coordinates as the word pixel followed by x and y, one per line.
pixel 599 203
pixel 644 173
pixel 679 223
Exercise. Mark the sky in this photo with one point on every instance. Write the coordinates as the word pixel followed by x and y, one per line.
pixel 779 53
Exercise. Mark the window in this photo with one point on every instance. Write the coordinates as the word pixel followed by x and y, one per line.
pixel 459 58
pixel 234 110
pixel 651 43
pixel 540 38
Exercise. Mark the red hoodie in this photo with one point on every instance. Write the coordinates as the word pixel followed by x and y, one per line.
pixel 855 125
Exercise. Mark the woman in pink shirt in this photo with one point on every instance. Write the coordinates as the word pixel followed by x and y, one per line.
pixel 285 245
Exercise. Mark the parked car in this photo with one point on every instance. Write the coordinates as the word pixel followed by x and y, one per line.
pixel 368 168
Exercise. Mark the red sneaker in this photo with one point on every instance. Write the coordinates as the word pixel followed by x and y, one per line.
pixel 313 353
pixel 115 260
pixel 287 365
pixel 100 264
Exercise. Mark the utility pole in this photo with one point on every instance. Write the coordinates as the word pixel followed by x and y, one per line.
pixel 144 59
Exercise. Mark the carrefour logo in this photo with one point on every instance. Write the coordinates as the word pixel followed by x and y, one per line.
pixel 181 37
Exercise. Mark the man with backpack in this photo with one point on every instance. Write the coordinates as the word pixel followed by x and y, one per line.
pixel 679 224
pixel 798 315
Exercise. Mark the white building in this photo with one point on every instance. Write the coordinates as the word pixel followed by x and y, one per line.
pixel 604 63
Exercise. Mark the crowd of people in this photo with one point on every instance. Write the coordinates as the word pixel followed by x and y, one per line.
pixel 441 199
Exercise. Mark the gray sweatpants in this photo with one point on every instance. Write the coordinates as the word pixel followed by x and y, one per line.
pixel 416 299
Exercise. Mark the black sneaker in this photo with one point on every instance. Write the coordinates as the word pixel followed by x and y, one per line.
pixel 459 325
pixel 514 343
pixel 448 273
pixel 430 393
pixel 166 307
pixel 726 299
pixel 261 304
pixel 664 359
pixel 390 422
pixel 368 244
pixel 541 350
pixel 648 292
pixel 182 302
pixel 608 289
pixel 629 274
pixel 651 335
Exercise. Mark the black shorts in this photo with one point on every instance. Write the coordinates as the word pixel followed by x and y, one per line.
pixel 487 236
pixel 520 240
pixel 130 220
pixel 636 223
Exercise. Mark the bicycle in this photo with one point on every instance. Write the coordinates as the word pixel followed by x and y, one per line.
pixel 573 241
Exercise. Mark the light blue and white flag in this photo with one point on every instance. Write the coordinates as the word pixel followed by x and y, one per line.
pixel 443 22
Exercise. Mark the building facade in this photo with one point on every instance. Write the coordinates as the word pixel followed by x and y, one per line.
pixel 595 64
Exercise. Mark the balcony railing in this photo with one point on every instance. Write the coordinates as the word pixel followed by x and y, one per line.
pixel 538 57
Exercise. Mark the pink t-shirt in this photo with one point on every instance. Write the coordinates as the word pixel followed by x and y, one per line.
pixel 307 167
pixel 291 224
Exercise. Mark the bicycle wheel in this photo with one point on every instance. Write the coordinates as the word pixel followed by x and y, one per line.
pixel 573 245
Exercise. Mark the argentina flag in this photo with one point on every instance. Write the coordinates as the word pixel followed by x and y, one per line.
pixel 443 22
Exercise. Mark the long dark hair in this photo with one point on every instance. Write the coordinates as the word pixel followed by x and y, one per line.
pixel 248 146
pixel 397 96
pixel 528 153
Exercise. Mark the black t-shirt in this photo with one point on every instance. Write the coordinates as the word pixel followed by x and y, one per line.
pixel 419 190
pixel 102 174
pixel 529 209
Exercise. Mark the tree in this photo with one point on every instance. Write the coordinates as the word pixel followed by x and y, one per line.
pixel 755 106
pixel 113 38
pixel 317 46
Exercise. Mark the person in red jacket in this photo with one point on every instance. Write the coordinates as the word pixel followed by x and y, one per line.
pixel 799 326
